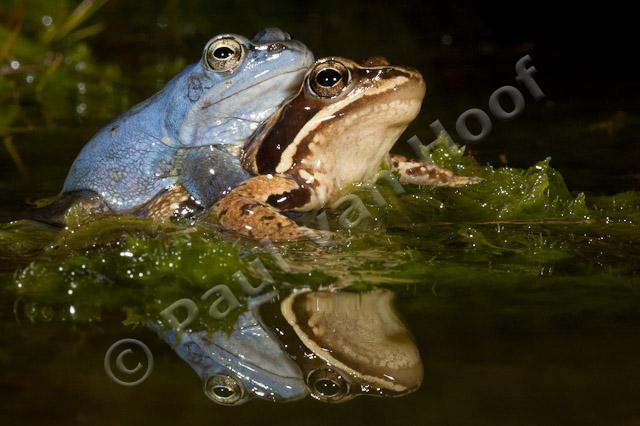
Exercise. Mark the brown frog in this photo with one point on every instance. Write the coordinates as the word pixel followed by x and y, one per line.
pixel 337 130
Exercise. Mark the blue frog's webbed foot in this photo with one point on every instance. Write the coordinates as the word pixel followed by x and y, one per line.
pixel 56 212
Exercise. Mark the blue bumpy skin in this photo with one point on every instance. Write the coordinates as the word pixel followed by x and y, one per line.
pixel 191 131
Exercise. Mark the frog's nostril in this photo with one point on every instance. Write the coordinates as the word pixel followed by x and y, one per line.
pixel 271 34
pixel 375 61
pixel 276 47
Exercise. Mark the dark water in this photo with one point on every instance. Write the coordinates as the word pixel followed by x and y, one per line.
pixel 538 324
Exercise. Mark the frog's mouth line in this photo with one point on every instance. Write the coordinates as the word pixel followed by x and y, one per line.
pixel 297 70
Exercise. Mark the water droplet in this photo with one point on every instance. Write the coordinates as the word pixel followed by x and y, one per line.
pixel 81 109
pixel 162 22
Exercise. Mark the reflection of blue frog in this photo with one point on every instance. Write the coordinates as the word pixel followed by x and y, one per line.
pixel 247 363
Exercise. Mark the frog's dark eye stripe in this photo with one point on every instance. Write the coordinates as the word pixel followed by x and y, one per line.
pixel 328 79
pixel 224 54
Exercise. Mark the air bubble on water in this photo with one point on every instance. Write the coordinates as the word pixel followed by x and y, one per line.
pixel 72 310
pixel 81 66
pixel 162 22
pixel 47 20
pixel 29 78
pixel 14 64
pixel 81 109
pixel 82 88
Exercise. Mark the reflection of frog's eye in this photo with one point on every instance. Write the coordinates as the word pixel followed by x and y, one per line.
pixel 224 55
pixel 328 79
pixel 223 389
pixel 327 385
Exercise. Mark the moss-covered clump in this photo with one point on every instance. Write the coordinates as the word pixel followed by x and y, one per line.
pixel 514 226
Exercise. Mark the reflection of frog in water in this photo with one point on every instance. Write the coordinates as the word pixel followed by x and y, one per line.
pixel 351 344
pixel 331 345
pixel 247 363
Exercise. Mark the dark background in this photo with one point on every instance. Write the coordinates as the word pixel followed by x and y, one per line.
pixel 530 370
pixel 585 56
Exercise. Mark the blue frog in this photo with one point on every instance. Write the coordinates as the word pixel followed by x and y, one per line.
pixel 191 133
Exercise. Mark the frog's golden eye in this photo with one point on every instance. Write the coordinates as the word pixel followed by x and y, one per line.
pixel 327 385
pixel 328 79
pixel 223 389
pixel 224 55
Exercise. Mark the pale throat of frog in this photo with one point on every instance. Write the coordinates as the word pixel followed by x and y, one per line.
pixel 347 141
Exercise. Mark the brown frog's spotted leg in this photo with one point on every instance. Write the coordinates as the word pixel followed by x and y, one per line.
pixel 254 209
pixel 427 174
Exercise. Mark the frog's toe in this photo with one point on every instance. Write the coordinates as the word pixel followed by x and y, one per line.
pixel 424 173
pixel 318 236
pixel 55 213
pixel 458 181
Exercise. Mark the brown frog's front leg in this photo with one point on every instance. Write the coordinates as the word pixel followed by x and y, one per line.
pixel 417 172
pixel 254 209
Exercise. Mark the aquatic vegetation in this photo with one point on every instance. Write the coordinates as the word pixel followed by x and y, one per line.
pixel 518 229
pixel 517 226
pixel 50 77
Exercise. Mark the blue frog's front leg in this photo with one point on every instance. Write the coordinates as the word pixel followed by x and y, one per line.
pixel 212 173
